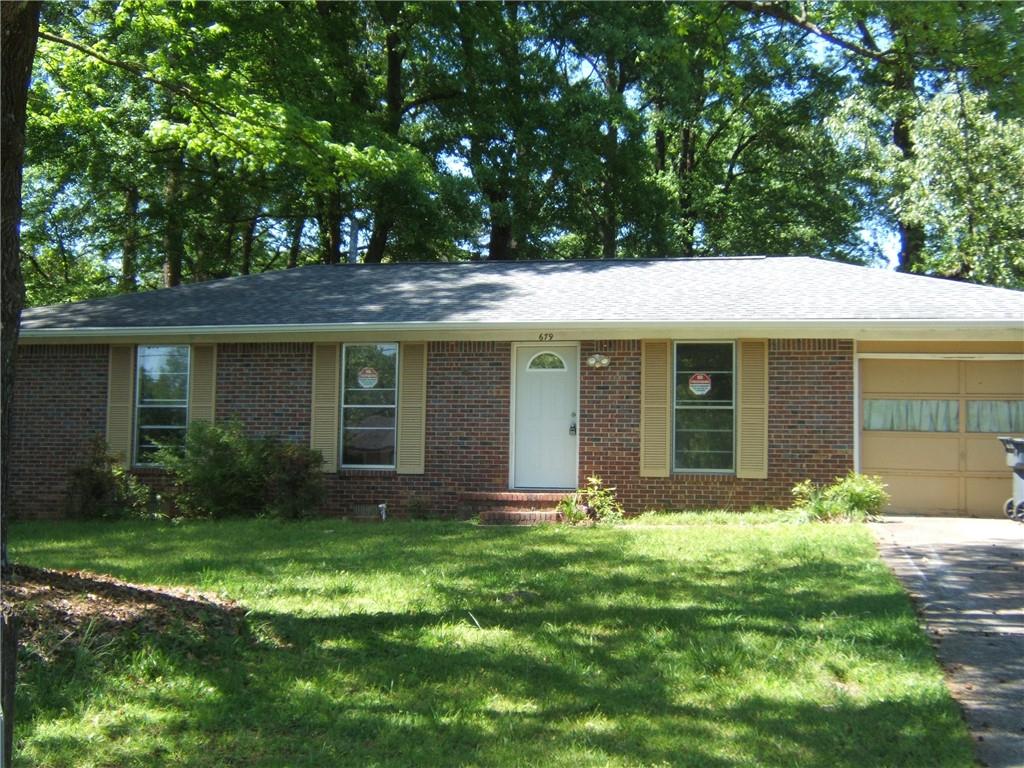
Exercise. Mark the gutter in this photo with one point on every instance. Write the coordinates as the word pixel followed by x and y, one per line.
pixel 868 329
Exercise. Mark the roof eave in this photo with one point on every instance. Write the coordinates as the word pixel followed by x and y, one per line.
pixel 860 329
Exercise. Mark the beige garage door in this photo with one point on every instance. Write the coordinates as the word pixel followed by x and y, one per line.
pixel 928 428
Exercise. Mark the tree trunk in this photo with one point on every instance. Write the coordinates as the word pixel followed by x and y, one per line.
pixel 609 230
pixel 248 239
pixel 330 227
pixel 902 78
pixel 911 234
pixel 501 246
pixel 130 246
pixel 19 23
pixel 174 224
pixel 19 30
pixel 394 100
pixel 684 171
pixel 8 678
pixel 378 241
pixel 229 248
pixel 296 245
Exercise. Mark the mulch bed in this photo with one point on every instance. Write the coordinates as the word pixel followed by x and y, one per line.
pixel 56 609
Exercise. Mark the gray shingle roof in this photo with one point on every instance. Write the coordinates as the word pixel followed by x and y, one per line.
pixel 752 289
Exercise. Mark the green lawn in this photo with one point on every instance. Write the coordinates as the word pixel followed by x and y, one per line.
pixel 762 643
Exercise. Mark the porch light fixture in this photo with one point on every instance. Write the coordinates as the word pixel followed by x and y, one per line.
pixel 598 361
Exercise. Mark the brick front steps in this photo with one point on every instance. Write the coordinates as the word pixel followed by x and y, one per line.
pixel 512 507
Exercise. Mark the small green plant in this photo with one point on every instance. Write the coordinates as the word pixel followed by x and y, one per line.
pixel 223 473
pixel 594 503
pixel 854 497
pixel 572 508
pixel 101 488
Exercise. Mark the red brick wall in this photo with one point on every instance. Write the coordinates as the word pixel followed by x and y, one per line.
pixel 267 387
pixel 810 428
pixel 60 404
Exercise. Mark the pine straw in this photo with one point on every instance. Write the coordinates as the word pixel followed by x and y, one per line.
pixel 57 609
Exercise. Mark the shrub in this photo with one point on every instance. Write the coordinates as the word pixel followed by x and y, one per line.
pixel 217 474
pixel 292 482
pixel 594 503
pixel 854 497
pixel 223 473
pixel 101 488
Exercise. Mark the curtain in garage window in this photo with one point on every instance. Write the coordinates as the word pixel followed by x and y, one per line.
pixel 912 415
pixel 1003 416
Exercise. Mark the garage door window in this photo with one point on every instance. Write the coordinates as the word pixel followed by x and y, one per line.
pixel 1002 416
pixel 912 415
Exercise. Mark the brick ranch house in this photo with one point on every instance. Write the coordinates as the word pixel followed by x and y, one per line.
pixel 708 383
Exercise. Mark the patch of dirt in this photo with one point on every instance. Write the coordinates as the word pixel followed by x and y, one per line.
pixel 57 609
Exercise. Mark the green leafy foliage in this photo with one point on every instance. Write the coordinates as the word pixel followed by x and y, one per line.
pixel 855 497
pixel 593 504
pixel 292 480
pixel 176 142
pixel 99 487
pixel 223 473
pixel 967 190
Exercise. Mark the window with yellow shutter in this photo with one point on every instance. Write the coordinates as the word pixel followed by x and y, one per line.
pixel 161 399
pixel 704 407
pixel 369 404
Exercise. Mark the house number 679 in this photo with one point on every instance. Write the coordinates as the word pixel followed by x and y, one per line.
pixel 545 336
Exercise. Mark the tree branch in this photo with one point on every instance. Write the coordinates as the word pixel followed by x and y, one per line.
pixel 783 14
pixel 429 99
pixel 136 69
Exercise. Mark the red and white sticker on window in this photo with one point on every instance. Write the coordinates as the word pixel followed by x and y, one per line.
pixel 367 377
pixel 699 384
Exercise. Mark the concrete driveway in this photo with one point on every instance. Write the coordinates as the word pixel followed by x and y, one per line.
pixel 967 578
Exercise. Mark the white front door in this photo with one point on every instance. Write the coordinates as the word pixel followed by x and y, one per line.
pixel 544 420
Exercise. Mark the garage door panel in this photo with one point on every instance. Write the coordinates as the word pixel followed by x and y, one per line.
pixel 923 495
pixel 994 377
pixel 986 496
pixel 985 454
pixel 881 451
pixel 910 376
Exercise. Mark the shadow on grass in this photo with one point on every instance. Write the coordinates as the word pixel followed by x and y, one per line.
pixel 548 649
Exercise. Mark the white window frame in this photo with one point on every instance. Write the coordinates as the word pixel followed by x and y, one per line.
pixel 342 406
pixel 137 404
pixel 676 408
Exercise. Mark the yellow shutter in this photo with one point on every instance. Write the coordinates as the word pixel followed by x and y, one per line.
pixel 323 431
pixel 203 383
pixel 120 389
pixel 412 409
pixel 655 408
pixel 752 419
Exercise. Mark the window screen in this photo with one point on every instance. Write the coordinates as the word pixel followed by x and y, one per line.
pixel 161 400
pixel 369 399
pixel 704 407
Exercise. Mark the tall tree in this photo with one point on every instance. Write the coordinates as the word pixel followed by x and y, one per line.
pixel 19 23
pixel 19 30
